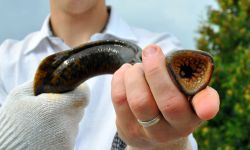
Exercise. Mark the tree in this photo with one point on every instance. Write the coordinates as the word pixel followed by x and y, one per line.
pixel 226 35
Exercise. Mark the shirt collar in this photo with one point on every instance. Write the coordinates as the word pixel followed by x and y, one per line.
pixel 116 28
pixel 36 38
pixel 46 30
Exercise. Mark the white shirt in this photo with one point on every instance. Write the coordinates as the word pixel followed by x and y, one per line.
pixel 19 60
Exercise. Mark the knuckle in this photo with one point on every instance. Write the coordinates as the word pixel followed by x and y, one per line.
pixel 135 69
pixel 124 67
pixel 153 71
pixel 116 78
pixel 172 106
pixel 118 97
pixel 118 75
pixel 139 103
pixel 117 88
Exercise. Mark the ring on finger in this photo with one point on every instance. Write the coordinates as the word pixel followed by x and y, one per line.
pixel 149 123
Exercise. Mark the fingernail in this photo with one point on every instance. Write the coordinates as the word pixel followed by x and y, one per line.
pixel 149 51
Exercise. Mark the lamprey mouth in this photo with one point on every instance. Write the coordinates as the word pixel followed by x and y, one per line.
pixel 191 70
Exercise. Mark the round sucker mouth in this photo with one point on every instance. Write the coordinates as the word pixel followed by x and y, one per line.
pixel 186 71
pixel 191 70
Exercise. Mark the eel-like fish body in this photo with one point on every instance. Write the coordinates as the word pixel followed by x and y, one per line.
pixel 191 70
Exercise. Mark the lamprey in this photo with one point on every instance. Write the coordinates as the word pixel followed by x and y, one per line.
pixel 191 70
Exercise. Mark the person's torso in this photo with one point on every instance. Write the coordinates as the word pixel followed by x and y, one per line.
pixel 97 128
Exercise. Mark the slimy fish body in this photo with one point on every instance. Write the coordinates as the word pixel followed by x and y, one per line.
pixel 191 70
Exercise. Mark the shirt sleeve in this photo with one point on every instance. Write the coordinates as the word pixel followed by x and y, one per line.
pixel 168 43
pixel 118 144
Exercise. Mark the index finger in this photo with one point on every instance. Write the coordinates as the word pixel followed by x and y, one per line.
pixel 173 105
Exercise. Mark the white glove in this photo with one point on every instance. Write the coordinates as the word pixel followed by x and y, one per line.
pixel 46 121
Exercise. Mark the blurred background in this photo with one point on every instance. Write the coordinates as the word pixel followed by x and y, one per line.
pixel 180 17
pixel 221 27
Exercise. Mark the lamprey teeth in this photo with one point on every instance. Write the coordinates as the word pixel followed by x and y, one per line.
pixel 191 70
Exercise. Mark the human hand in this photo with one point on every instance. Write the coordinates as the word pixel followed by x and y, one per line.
pixel 144 91
pixel 46 121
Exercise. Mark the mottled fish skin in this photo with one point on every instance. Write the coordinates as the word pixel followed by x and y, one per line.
pixel 64 71
pixel 191 70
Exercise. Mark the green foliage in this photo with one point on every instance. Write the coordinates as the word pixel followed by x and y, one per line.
pixel 226 34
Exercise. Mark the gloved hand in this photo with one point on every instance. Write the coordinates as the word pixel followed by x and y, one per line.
pixel 46 121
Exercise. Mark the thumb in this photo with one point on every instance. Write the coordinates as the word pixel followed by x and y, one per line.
pixel 206 103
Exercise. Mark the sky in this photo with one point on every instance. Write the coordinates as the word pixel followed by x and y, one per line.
pixel 178 17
